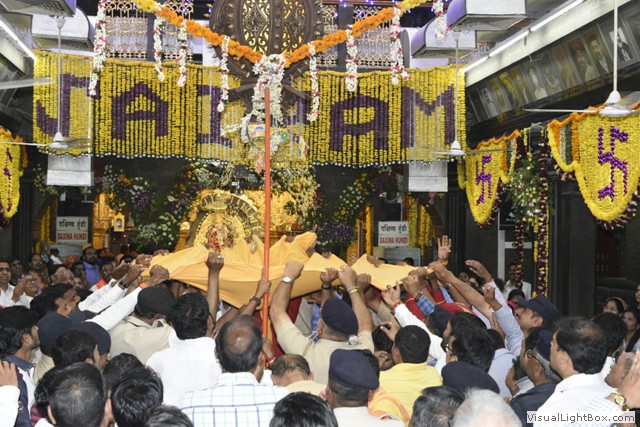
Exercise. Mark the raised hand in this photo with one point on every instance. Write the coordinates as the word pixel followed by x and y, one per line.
pixel 120 271
pixel 348 276
pixel 479 269
pixel 214 262
pixel 293 269
pixel 391 295
pixel 328 276
pixel 442 273
pixel 444 248
pixel 264 285
pixel 363 281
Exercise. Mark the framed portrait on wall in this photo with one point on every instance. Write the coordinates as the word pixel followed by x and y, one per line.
pixel 600 52
pixel 474 96
pixel 582 59
pixel 563 63
pixel 520 85
pixel 632 19
pixel 500 95
pixel 510 89
pixel 627 54
pixel 549 74
pixel 534 80
pixel 488 101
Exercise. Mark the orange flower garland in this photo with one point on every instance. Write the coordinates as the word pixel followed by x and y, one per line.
pixel 240 51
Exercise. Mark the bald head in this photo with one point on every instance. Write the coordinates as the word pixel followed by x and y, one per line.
pixel 238 345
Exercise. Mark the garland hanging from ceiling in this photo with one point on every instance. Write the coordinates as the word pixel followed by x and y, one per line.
pixel 602 153
pixel 13 156
pixel 136 115
pixel 483 174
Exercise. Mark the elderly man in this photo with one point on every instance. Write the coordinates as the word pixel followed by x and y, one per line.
pixel 337 322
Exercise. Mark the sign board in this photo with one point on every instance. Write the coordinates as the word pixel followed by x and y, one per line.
pixel 393 233
pixel 72 229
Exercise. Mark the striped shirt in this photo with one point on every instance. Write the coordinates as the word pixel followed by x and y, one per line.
pixel 236 400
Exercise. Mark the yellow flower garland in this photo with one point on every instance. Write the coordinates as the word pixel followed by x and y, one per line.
pixel 126 122
pixel 10 174
pixel 482 172
pixel 603 157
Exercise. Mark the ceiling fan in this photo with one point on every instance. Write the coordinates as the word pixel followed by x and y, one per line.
pixel 455 149
pixel 60 142
pixel 613 107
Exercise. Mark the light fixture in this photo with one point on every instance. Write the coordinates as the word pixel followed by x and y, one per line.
pixel 508 43
pixel 475 64
pixel 556 14
pixel 455 150
pixel 7 29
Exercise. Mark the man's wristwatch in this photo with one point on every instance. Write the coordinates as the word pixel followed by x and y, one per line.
pixel 620 400
pixel 287 279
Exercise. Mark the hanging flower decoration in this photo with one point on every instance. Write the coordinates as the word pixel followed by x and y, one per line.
pixel 541 244
pixel 601 152
pixel 484 173
pixel 396 56
pixel 315 88
pixel 183 41
pixel 224 75
pixel 270 71
pixel 158 28
pixel 40 182
pixel 351 77
pixel 240 51
pixel 441 24
pixel 99 46
pixel 11 164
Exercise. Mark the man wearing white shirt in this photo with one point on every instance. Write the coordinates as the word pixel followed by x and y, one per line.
pixel 511 283
pixel 10 295
pixel 189 364
pixel 578 351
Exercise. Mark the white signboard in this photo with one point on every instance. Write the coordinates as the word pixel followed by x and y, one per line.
pixel 393 233
pixel 72 229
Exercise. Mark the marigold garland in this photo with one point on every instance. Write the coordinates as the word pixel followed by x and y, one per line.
pixel 183 41
pixel 396 56
pixel 315 90
pixel 224 75
pixel 11 164
pixel 99 46
pixel 602 153
pixel 351 76
pixel 483 174
pixel 137 116
pixel 241 51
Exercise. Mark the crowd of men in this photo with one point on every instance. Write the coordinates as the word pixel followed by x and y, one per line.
pixel 92 344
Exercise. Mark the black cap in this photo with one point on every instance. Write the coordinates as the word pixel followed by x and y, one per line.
pixel 439 318
pixel 156 300
pixel 462 377
pixel 337 315
pixel 99 334
pixel 352 368
pixel 50 327
pixel 543 307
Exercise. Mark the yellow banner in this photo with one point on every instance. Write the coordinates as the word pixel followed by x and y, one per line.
pixel 603 154
pixel 484 171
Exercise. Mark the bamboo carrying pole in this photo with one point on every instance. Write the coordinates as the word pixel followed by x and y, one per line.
pixel 267 204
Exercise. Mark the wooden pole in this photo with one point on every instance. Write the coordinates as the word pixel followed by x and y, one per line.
pixel 267 204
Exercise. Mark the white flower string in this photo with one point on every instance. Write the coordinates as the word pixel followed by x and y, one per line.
pixel 441 24
pixel 158 28
pixel 351 77
pixel 315 88
pixel 270 71
pixel 183 40
pixel 396 56
pixel 99 47
pixel 224 74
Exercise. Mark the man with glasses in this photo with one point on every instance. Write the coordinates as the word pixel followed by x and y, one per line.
pixel 11 295
pixel 578 352
pixel 535 359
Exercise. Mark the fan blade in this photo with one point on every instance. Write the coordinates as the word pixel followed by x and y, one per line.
pixel 15 84
pixel 538 110
pixel 33 144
